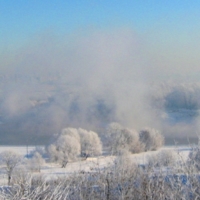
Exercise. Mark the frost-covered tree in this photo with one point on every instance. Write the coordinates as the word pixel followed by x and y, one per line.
pixel 73 132
pixel 151 138
pixel 123 139
pixel 38 149
pixel 73 142
pixel 66 148
pixel 36 162
pixel 10 159
pixel 90 143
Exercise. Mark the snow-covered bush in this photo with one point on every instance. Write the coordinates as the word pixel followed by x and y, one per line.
pixel 121 179
pixel 36 162
pixel 90 143
pixel 124 162
pixel 167 157
pixel 151 138
pixel 123 139
pixel 22 180
pixel 163 158
pixel 194 158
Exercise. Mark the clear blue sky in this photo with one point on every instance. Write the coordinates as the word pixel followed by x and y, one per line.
pixel 22 19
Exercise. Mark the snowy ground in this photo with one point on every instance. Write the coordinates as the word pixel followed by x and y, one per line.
pixel 22 150
pixel 54 170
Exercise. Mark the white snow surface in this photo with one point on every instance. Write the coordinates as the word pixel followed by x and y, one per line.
pixel 22 150
pixel 51 170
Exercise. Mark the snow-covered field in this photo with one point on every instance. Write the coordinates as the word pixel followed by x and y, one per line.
pixel 50 170
pixel 22 150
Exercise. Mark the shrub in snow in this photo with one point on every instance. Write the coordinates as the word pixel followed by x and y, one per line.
pixel 124 162
pixel 90 143
pixel 36 162
pixel 66 148
pixel 151 138
pixel 21 179
pixel 119 180
pixel 123 139
pixel 165 158
pixel 194 158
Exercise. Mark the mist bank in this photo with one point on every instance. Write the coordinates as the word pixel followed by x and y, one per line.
pixel 33 116
pixel 90 80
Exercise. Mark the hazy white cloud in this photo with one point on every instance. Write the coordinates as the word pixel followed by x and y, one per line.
pixel 92 76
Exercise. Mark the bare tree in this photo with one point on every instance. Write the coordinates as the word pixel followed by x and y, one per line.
pixel 151 138
pixel 22 180
pixel 10 159
pixel 90 143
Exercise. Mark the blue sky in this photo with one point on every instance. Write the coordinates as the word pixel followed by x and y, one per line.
pixel 20 20
pixel 169 30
